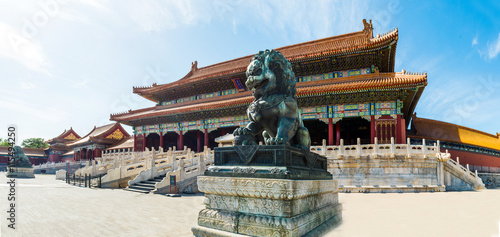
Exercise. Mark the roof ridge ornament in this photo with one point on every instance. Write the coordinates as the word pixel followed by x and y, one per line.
pixel 194 66
pixel 368 27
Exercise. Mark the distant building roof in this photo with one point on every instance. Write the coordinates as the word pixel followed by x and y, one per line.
pixel 437 130
pixel 66 136
pixel 4 150
pixel 228 138
pixel 123 144
pixel 109 134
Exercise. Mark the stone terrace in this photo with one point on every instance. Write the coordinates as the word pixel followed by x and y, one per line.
pixel 48 207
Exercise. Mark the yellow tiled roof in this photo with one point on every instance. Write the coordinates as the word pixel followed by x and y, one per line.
pixel 438 130
pixel 477 138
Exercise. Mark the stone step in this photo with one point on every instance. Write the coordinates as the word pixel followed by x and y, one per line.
pixel 141 187
pixel 145 185
pixel 149 182
pixel 136 190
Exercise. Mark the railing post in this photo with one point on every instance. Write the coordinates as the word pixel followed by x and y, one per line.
pixel 458 160
pixel 174 162
pixel 202 166
pixel 424 148
pixel 153 158
pixel 393 148
pixel 408 148
pixel 438 145
pixel 375 147
pixel 358 148
pixel 182 170
pixel 323 148
pixel 341 149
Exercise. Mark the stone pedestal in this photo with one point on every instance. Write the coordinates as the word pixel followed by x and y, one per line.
pixel 245 196
pixel 20 172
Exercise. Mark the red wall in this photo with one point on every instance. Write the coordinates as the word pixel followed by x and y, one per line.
pixel 54 158
pixel 475 159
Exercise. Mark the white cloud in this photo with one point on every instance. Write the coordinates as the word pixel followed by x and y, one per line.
pixel 27 85
pixel 95 4
pixel 494 48
pixel 81 84
pixel 10 104
pixel 279 17
pixel 27 52
pixel 474 41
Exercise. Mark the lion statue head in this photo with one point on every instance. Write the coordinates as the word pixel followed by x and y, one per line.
pixel 270 73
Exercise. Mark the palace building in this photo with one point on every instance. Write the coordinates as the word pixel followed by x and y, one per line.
pixel 58 149
pixel 69 146
pixel 346 89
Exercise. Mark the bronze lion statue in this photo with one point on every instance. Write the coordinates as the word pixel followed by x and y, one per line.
pixel 20 159
pixel 274 113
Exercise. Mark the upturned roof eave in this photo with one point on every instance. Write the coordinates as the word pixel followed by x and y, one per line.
pixel 304 88
pixel 389 38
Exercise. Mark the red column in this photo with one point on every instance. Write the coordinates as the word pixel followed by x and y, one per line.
pixel 198 141
pixel 330 131
pixel 181 141
pixel 398 130
pixel 161 140
pixel 223 132
pixel 143 142
pixel 403 130
pixel 337 128
pixel 373 132
pixel 206 137
pixel 135 142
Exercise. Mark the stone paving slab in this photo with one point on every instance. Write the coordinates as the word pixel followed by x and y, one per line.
pixel 49 207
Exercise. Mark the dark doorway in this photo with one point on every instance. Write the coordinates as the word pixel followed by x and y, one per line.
pixel 318 131
pixel 170 140
pixel 153 141
pixel 352 128
pixel 191 139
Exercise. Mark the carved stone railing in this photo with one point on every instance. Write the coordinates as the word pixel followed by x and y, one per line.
pixel 187 171
pixel 159 166
pixel 58 165
pixel 375 150
pixel 140 166
pixel 471 178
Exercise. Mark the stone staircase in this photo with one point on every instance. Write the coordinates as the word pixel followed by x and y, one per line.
pixel 461 178
pixel 145 186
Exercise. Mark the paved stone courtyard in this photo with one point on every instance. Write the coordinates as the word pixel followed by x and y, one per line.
pixel 49 207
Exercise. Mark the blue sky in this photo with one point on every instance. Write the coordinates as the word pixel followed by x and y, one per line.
pixel 73 63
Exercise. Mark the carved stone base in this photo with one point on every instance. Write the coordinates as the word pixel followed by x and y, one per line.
pixel 20 172
pixel 271 162
pixel 238 206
